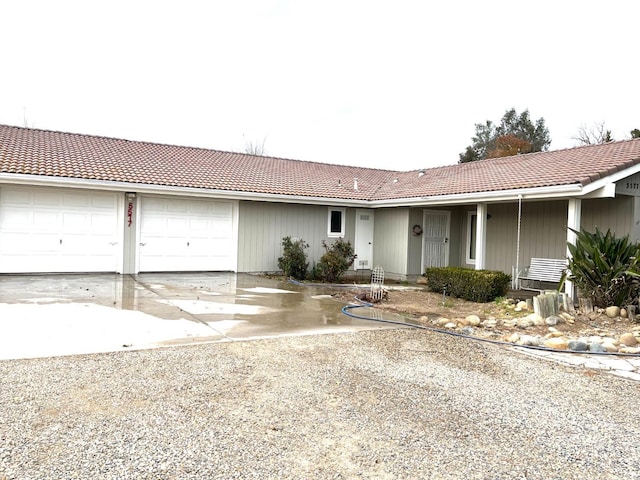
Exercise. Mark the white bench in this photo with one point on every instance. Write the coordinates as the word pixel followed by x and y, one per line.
pixel 542 270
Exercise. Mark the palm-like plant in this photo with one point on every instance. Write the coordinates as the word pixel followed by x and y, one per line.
pixel 605 269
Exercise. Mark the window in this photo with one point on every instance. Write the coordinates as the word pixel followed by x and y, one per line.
pixel 472 222
pixel 336 222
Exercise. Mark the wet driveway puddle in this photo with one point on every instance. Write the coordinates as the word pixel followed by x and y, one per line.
pixel 48 315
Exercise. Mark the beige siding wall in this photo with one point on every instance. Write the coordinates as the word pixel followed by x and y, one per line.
pixel 262 225
pixel 544 228
pixel 614 213
pixel 390 244
pixel 543 233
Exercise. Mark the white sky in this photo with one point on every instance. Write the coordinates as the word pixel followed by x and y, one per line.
pixel 388 84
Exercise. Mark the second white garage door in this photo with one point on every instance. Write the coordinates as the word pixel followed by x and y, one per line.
pixel 181 235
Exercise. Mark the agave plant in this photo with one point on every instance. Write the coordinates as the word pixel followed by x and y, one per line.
pixel 605 269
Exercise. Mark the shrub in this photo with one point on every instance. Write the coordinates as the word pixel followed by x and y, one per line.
pixel 335 262
pixel 473 285
pixel 604 268
pixel 293 261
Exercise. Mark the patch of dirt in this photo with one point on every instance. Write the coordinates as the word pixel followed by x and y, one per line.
pixel 428 307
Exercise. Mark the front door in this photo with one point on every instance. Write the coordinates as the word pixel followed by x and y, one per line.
pixel 364 240
pixel 435 239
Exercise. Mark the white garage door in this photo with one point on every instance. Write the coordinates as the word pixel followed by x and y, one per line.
pixel 180 235
pixel 58 230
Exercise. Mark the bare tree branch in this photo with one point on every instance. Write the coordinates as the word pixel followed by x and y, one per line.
pixel 593 135
pixel 255 148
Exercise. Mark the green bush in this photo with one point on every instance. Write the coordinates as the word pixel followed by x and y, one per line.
pixel 293 261
pixel 604 268
pixel 335 262
pixel 474 285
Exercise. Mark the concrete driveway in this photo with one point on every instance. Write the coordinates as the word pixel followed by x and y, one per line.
pixel 49 315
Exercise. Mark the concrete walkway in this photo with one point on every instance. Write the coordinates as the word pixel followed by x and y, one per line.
pixel 618 365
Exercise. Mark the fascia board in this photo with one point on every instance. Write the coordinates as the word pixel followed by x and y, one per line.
pixel 561 191
pixel 139 188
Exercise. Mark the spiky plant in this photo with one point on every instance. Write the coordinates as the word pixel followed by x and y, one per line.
pixel 604 268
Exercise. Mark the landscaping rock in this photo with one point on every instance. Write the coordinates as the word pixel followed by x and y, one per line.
pixel 612 312
pixel 525 322
pixel 558 343
pixel 552 320
pixel 442 321
pixel 577 346
pixel 513 338
pixel 473 320
pixel 634 350
pixel 567 317
pixel 628 340
pixel 597 348
pixel 529 340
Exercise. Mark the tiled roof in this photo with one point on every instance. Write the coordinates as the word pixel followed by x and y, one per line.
pixel 57 154
pixel 573 166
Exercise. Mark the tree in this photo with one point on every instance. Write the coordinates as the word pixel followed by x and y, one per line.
pixel 635 133
pixel 255 148
pixel 594 135
pixel 508 145
pixel 515 134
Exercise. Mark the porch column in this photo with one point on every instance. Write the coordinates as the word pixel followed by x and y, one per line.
pixel 481 235
pixel 574 213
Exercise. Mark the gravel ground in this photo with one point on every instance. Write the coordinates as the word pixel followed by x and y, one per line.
pixel 376 404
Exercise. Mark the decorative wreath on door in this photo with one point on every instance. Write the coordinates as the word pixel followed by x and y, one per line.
pixel 417 230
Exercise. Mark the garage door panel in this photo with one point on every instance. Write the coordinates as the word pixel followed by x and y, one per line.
pixel 15 197
pixel 46 220
pixel 177 224
pixel 75 200
pixel 102 224
pixel 16 218
pixel 46 199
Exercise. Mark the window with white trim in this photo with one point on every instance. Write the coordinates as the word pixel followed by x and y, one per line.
pixel 335 226
pixel 472 222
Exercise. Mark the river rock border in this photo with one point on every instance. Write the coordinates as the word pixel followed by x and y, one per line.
pixel 556 338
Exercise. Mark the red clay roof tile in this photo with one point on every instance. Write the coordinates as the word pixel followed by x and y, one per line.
pixel 58 154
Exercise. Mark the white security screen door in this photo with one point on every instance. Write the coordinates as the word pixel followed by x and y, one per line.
pixel 435 239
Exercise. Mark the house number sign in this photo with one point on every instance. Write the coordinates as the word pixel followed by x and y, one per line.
pixel 129 214
pixel 629 185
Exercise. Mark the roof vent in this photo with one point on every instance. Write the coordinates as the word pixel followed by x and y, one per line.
pixel 395 180
pixel 420 173
pixel 355 184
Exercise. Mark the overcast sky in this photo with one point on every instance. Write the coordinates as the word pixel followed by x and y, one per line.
pixel 387 84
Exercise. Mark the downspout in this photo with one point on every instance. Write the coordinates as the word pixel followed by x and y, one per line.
pixel 517 272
